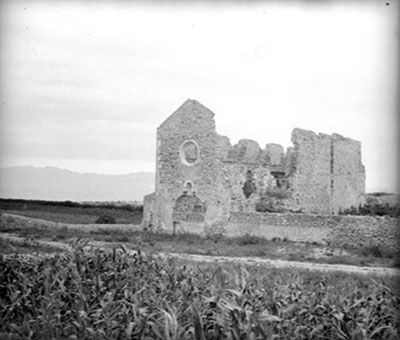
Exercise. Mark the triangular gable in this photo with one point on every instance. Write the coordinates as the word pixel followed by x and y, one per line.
pixel 189 108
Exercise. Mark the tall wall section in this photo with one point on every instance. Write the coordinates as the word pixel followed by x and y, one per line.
pixel 188 185
pixel 348 178
pixel 328 175
pixel 310 181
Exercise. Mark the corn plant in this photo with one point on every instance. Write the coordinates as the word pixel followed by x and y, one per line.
pixel 95 294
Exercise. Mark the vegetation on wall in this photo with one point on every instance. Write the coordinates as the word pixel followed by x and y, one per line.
pixel 373 210
pixel 271 200
pixel 105 219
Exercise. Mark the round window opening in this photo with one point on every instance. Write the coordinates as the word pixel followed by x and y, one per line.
pixel 189 152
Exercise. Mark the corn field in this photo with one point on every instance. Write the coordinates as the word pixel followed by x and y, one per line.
pixel 115 295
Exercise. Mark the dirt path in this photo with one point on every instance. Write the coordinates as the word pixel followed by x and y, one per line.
pixel 226 259
pixel 381 271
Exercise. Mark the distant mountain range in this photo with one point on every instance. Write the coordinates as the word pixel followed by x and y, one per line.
pixel 49 183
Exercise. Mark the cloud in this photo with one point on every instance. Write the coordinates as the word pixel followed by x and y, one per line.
pixel 90 82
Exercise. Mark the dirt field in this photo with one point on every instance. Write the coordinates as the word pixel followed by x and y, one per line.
pixel 72 212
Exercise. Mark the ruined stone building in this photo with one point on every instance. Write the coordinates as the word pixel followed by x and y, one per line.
pixel 202 178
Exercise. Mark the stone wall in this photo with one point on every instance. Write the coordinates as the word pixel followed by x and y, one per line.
pixel 367 231
pixel 328 174
pixel 187 164
pixel 355 232
pixel 311 180
pixel 287 220
pixel 149 209
pixel 339 230
pixel 319 174
pixel 348 174
pixel 235 177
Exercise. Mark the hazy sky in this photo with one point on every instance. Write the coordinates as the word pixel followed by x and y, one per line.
pixel 84 85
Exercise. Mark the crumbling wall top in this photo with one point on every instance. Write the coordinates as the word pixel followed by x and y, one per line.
pixel 274 154
pixel 246 150
pixel 301 135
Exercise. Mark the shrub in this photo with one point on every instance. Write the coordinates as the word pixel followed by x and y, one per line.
pixel 268 205
pixel 373 250
pixel 248 239
pixel 373 210
pixel 271 200
pixel 277 193
pixel 105 219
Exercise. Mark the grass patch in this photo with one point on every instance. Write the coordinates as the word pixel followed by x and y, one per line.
pixel 9 247
pixel 72 212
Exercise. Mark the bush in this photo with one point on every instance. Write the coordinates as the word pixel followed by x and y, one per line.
pixel 248 239
pixel 269 205
pixel 373 210
pixel 105 219
pixel 373 250
pixel 271 200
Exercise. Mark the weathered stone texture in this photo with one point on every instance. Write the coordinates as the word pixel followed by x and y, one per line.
pixel 202 178
pixel 344 231
pixel 274 154
pixel 348 174
pixel 149 209
pixel 366 231
pixel 191 122
pixel 327 170
pixel 246 150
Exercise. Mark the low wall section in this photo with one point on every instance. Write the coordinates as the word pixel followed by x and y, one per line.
pixel 344 231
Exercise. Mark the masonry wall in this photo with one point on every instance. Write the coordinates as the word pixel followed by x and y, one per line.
pixel 362 231
pixel 194 123
pixel 202 178
pixel 348 176
pixel 235 176
pixel 311 179
pixel 149 209
pixel 328 174
pixel 340 230
pixel 353 232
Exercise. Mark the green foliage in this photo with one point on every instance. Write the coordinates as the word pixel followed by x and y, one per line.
pixel 373 250
pixel 248 239
pixel 105 219
pixel 271 200
pixel 115 295
pixel 373 210
pixel 381 251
